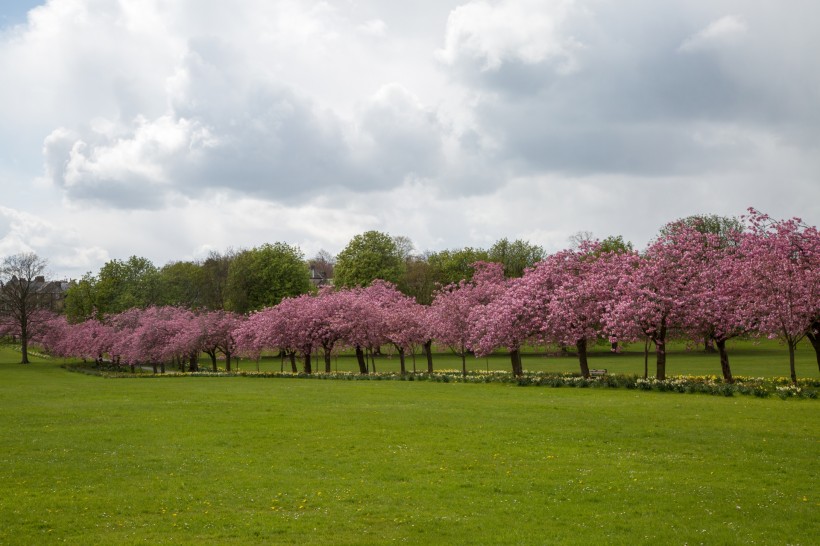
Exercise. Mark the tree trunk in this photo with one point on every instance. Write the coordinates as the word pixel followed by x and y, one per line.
pixel 815 342
pixel 372 360
pixel 613 347
pixel 327 361
pixel 24 348
pixel 228 361
pixel 581 345
pixel 308 366
pixel 154 366
pixel 724 361
pixel 515 360
pixel 792 345
pixel 193 364
pixel 293 367
pixel 428 352
pixel 660 352
pixel 162 367
pixel 212 354
pixel 463 363
pixel 401 361
pixel 708 346
pixel 646 358
pixel 360 360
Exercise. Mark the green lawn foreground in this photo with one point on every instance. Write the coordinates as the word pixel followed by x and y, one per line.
pixel 87 460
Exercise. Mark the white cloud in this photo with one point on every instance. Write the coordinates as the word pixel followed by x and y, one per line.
pixel 719 32
pixel 374 27
pixel 530 32
pixel 63 246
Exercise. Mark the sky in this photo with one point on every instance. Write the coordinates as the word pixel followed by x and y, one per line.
pixel 171 128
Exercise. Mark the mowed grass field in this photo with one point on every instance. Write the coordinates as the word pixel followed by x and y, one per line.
pixel 88 460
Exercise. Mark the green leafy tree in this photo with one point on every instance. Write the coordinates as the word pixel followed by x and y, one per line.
pixel 453 266
pixel 120 285
pixel 616 244
pixel 263 276
pixel 369 256
pixel 182 284
pixel 515 256
pixel 80 302
pixel 727 228
pixel 419 280
pixel 215 270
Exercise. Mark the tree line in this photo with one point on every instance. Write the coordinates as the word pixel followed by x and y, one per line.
pixel 703 278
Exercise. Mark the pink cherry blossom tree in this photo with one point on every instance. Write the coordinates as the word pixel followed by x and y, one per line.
pixel 217 330
pixel 781 259
pixel 648 297
pixel 569 294
pixel 456 318
pixel 401 318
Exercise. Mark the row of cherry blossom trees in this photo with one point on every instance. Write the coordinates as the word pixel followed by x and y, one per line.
pixel 689 282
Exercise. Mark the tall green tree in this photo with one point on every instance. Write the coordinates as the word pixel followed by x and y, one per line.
pixel 120 285
pixel 215 270
pixel 182 284
pixel 419 280
pixel 453 266
pixel 726 228
pixel 515 256
pixel 80 297
pixel 264 275
pixel 369 256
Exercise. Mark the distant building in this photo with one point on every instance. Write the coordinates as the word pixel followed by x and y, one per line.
pixel 48 294
pixel 321 273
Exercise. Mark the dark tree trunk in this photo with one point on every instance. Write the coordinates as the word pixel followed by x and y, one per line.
pixel 724 361
pixel 212 354
pixel 180 363
pixel 660 352
pixel 463 363
pixel 327 361
pixel 428 352
pixel 227 361
pixel 293 367
pixel 708 346
pixel 360 360
pixel 792 345
pixel 401 361
pixel 814 338
pixel 613 347
pixel 581 345
pixel 154 366
pixel 162 367
pixel 372 360
pixel 308 366
pixel 193 364
pixel 515 360
pixel 24 348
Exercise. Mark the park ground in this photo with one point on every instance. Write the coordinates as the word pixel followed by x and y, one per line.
pixel 242 460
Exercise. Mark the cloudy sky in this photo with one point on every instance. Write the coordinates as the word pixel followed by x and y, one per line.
pixel 167 128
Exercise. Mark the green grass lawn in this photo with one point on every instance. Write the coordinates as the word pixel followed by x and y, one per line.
pixel 88 460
